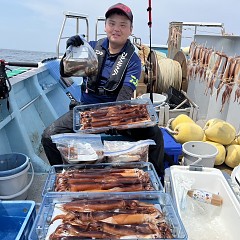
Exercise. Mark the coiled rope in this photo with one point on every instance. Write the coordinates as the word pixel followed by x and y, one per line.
pixel 170 74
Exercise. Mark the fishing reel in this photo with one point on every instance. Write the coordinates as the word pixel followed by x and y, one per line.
pixel 5 85
pixel 151 72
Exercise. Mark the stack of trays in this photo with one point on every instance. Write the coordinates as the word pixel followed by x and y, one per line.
pixel 106 212
pixel 107 200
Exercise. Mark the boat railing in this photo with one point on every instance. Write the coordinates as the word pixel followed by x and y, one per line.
pixel 98 21
pixel 77 17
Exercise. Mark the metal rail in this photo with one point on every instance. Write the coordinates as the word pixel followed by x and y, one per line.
pixel 77 17
pixel 99 19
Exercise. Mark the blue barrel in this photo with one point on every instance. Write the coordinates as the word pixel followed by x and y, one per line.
pixel 12 163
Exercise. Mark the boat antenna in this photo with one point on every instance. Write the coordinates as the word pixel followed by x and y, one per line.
pixel 150 74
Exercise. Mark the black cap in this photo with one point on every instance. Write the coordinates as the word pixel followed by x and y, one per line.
pixel 122 8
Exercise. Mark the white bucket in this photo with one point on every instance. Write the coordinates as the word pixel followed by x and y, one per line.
pixel 158 99
pixel 199 153
pixel 15 187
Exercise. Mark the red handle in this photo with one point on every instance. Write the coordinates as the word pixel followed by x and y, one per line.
pixel 149 13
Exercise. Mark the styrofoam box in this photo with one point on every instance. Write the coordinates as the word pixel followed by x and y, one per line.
pixel 144 166
pixel 203 219
pixel 51 206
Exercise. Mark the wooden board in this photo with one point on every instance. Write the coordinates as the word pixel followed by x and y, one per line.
pixel 181 58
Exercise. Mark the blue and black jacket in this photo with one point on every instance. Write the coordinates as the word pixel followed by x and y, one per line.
pixel 114 72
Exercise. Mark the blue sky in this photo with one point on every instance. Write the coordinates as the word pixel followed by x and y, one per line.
pixel 35 25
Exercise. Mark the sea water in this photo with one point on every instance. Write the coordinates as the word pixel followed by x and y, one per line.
pixel 10 55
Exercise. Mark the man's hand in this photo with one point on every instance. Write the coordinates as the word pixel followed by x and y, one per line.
pixel 73 104
pixel 112 132
pixel 125 93
pixel 74 41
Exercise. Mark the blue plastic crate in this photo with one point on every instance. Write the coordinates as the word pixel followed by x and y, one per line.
pixel 172 148
pixel 16 218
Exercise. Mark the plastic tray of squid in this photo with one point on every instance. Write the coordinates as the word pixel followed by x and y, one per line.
pixel 108 216
pixel 96 118
pixel 103 177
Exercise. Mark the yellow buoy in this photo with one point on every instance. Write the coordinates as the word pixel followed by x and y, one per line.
pixel 233 156
pixel 220 131
pixel 188 131
pixel 220 158
pixel 182 118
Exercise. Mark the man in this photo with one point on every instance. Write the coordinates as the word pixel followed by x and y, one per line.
pixel 119 69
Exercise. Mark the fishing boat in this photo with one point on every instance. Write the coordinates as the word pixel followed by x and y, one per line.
pixel 34 95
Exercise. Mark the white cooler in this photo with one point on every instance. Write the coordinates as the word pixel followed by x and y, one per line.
pixel 204 220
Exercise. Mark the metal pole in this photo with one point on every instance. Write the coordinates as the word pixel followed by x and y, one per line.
pixel 149 9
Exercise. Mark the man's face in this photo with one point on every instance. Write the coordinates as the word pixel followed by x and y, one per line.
pixel 118 29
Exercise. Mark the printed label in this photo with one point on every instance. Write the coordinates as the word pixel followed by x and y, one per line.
pixel 202 196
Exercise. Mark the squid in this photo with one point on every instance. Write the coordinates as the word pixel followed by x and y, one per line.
pixel 117 217
pixel 125 114
pixel 71 232
pixel 99 172
pixel 230 74
pixel 126 188
pixel 123 185
pixel 109 179
pixel 219 72
pixel 68 230
pixel 122 180
pixel 103 205
pixel 56 237
pixel 237 94
pixel 138 218
pixel 124 230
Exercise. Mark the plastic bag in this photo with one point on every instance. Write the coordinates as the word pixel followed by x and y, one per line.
pixel 183 185
pixel 76 148
pixel 124 151
pixel 80 61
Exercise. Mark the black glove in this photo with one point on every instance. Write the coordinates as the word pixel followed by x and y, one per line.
pixel 74 41
pixel 73 103
pixel 125 94
pixel 112 132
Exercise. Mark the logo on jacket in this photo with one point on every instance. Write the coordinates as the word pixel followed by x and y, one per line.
pixel 119 63
pixel 99 52
pixel 134 80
